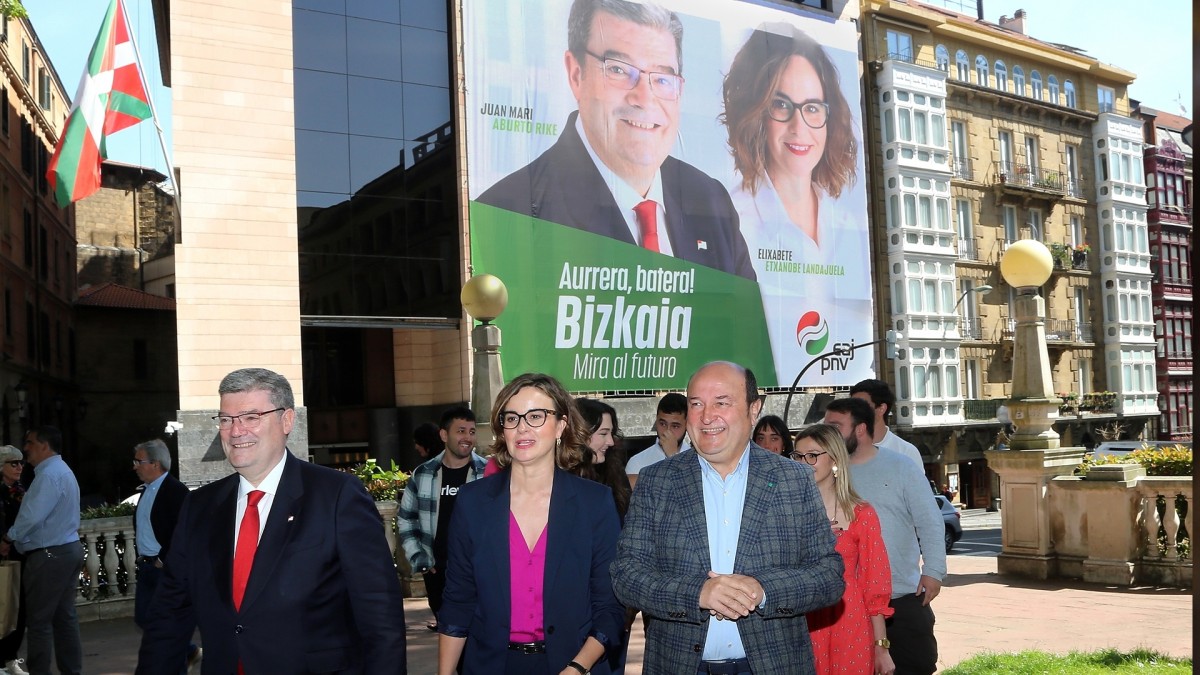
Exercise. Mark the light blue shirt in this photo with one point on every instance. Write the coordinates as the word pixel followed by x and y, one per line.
pixel 723 502
pixel 147 543
pixel 49 514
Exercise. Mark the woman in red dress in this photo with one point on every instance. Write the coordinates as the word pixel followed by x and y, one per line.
pixel 849 636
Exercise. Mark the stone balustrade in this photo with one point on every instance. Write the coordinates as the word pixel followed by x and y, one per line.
pixel 108 581
pixel 1118 526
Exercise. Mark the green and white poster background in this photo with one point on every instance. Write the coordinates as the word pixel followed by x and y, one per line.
pixel 604 315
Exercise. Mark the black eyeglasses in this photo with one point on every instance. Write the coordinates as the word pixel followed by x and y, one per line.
pixel 626 76
pixel 534 418
pixel 139 462
pixel 250 420
pixel 815 113
pixel 16 462
pixel 808 457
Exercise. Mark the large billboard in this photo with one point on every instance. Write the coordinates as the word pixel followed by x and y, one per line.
pixel 662 185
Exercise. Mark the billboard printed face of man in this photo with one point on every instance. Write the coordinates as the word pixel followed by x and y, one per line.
pixel 631 129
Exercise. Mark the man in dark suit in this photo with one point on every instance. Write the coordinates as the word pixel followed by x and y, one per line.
pixel 609 173
pixel 726 548
pixel 153 524
pixel 284 566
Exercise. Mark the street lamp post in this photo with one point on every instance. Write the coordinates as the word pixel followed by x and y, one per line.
pixel 484 297
pixel 1027 265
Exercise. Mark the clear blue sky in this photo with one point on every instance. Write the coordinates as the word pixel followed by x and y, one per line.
pixel 1152 39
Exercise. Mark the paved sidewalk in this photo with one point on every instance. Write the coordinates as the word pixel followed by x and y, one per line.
pixel 977 611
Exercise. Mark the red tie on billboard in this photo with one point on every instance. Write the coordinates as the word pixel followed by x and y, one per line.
pixel 647 218
pixel 247 544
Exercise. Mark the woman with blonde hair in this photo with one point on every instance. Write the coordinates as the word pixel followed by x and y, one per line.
pixel 849 636
pixel 527 583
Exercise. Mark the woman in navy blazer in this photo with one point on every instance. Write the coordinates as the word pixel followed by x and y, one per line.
pixel 540 437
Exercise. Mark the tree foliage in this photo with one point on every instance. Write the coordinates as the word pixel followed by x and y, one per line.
pixel 13 9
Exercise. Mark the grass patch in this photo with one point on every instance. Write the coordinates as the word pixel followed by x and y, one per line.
pixel 1076 663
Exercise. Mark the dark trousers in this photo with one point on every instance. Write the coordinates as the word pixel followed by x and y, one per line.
pixel 148 575
pixel 51 582
pixel 910 630
pixel 435 586
pixel 10 643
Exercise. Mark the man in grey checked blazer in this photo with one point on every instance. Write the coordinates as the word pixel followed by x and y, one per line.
pixel 725 549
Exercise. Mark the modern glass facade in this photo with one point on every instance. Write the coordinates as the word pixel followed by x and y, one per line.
pixel 377 206
pixel 377 209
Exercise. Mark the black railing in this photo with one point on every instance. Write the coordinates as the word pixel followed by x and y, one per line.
pixel 970 328
pixel 981 408
pixel 961 166
pixel 1008 328
pixel 1060 330
pixel 1084 334
pixel 1032 177
pixel 968 248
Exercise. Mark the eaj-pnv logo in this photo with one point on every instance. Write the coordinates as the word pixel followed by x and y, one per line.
pixel 812 333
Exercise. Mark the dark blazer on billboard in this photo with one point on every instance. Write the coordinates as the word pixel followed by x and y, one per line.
pixel 785 543
pixel 323 594
pixel 564 186
pixel 581 540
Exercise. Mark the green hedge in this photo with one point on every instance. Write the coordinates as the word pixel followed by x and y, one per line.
pixel 1167 460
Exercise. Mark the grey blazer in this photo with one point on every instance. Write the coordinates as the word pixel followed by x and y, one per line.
pixel 785 543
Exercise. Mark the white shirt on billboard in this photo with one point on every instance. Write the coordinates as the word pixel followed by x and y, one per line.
pixel 843 301
pixel 627 198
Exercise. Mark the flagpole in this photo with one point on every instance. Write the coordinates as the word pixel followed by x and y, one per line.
pixel 162 143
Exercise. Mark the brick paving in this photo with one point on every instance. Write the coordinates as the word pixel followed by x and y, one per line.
pixel 977 611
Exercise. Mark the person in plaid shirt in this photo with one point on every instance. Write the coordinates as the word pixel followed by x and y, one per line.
pixel 429 497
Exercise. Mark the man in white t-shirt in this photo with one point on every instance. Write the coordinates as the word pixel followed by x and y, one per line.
pixel 883 401
pixel 670 428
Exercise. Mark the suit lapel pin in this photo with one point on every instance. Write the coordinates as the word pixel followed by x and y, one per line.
pixel 701 245
pixel 291 518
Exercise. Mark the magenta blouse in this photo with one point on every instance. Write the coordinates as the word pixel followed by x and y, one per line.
pixel 527 575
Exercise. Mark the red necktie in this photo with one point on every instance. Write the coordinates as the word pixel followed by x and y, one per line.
pixel 247 544
pixel 647 218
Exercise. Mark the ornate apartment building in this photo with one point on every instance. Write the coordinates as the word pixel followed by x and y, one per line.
pixel 37 244
pixel 981 135
pixel 1168 169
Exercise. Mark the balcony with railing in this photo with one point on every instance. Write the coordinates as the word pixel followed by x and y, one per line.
pixel 961 166
pixel 981 409
pixel 1008 328
pixel 1028 180
pixel 1084 333
pixel 1060 330
pixel 970 328
pixel 968 249
pixel 1070 258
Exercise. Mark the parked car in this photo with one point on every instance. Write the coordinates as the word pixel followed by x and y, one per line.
pixel 953 521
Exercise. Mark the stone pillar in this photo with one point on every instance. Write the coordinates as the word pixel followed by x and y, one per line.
pixel 488 381
pixel 1034 407
pixel 1027 549
pixel 1112 503
pixel 236 262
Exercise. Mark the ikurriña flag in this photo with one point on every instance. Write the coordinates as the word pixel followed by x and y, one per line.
pixel 111 97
